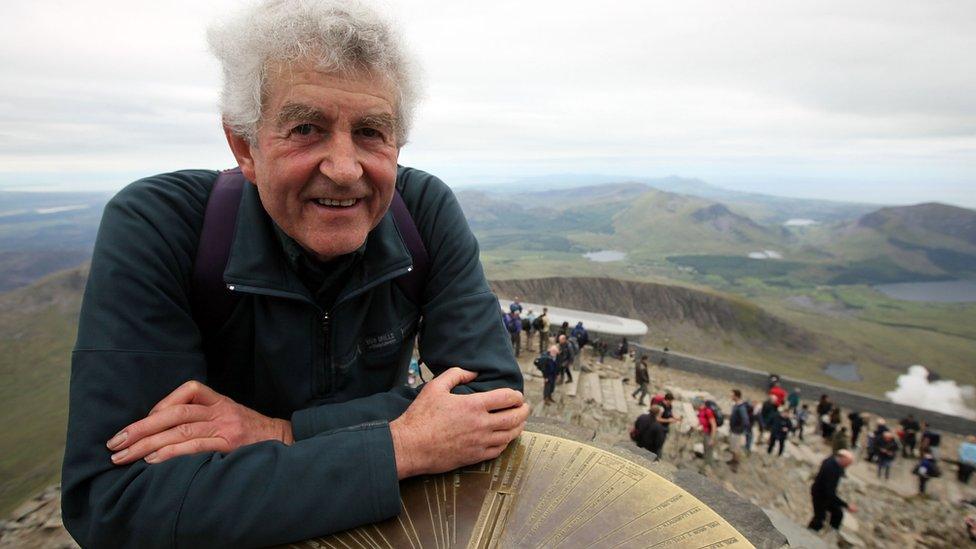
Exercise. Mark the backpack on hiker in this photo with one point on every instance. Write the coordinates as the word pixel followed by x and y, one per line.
pixel 719 417
pixel 538 323
pixel 540 362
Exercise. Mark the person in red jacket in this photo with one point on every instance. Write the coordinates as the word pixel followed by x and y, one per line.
pixel 778 393
pixel 707 425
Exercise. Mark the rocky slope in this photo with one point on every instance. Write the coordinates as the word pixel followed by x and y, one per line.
pixel 891 513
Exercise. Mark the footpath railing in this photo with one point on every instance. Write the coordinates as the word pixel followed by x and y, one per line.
pixel 846 399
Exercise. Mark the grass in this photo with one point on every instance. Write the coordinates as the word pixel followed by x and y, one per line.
pixel 34 357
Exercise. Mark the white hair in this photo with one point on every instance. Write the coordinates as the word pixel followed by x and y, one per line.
pixel 344 37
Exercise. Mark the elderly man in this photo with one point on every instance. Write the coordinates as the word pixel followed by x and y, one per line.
pixel 273 406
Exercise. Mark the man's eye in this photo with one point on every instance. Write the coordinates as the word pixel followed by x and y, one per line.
pixel 371 133
pixel 303 129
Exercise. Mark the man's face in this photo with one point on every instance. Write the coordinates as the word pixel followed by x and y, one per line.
pixel 325 157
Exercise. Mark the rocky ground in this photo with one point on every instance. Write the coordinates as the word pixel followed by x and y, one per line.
pixel 890 514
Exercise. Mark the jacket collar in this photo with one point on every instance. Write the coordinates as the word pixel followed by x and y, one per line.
pixel 258 261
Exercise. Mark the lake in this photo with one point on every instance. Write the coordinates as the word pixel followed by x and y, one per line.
pixel 947 291
pixel 843 372
pixel 605 256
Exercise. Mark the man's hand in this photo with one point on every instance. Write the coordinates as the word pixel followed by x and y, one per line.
pixel 852 508
pixel 193 419
pixel 441 431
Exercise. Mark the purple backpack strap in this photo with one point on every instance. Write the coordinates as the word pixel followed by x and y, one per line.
pixel 212 303
pixel 413 283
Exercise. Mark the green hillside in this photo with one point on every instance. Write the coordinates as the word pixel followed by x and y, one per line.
pixel 37 330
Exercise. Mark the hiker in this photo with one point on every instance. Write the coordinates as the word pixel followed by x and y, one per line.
pixel 886 451
pixel 778 394
pixel 779 429
pixel 601 348
pixel 839 440
pixel 738 426
pixel 874 440
pixel 581 335
pixel 622 350
pixel 642 378
pixel 756 419
pixel 823 492
pixel 830 423
pixel 565 360
pixel 527 321
pixel 930 440
pixel 513 324
pixel 910 428
pixel 649 433
pixel 926 469
pixel 857 424
pixel 767 415
pixel 794 400
pixel 802 416
pixel 967 459
pixel 548 365
pixel 823 408
pixel 271 359
pixel 708 425
pixel 564 328
pixel 541 325
pixel 667 417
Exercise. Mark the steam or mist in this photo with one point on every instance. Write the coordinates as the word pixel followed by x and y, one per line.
pixel 945 396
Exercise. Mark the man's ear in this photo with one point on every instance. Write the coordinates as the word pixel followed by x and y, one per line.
pixel 241 148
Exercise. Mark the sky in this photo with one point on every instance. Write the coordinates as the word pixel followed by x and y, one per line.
pixel 871 101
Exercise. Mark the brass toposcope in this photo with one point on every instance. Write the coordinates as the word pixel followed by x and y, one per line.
pixel 544 491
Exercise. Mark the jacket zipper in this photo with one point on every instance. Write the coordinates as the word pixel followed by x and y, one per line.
pixel 325 317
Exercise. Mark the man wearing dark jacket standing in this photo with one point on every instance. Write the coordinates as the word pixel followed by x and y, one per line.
pixel 288 418
pixel 824 491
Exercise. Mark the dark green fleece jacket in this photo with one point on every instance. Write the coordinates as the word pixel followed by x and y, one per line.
pixel 338 375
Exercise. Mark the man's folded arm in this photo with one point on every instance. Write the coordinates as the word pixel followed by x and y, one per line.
pixel 261 494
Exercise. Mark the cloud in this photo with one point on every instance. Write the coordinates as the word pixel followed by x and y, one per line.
pixel 944 396
pixel 798 97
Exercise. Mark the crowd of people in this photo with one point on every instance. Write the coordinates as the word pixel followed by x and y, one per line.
pixel 767 423
pixel 782 416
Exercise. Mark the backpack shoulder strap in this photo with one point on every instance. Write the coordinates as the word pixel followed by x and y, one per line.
pixel 413 283
pixel 212 303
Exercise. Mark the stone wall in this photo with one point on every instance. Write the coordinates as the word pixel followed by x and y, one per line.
pixel 846 399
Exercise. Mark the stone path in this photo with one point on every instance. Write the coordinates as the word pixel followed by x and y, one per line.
pixel 591 387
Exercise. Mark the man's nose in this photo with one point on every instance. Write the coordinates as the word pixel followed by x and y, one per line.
pixel 341 163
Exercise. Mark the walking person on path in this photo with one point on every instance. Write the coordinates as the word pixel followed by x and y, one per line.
pixel 824 492
pixel 887 450
pixel 779 429
pixel 550 369
pixel 738 427
pixel 857 424
pixel 642 378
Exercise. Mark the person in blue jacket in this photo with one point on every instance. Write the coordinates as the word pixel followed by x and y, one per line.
pixel 292 418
